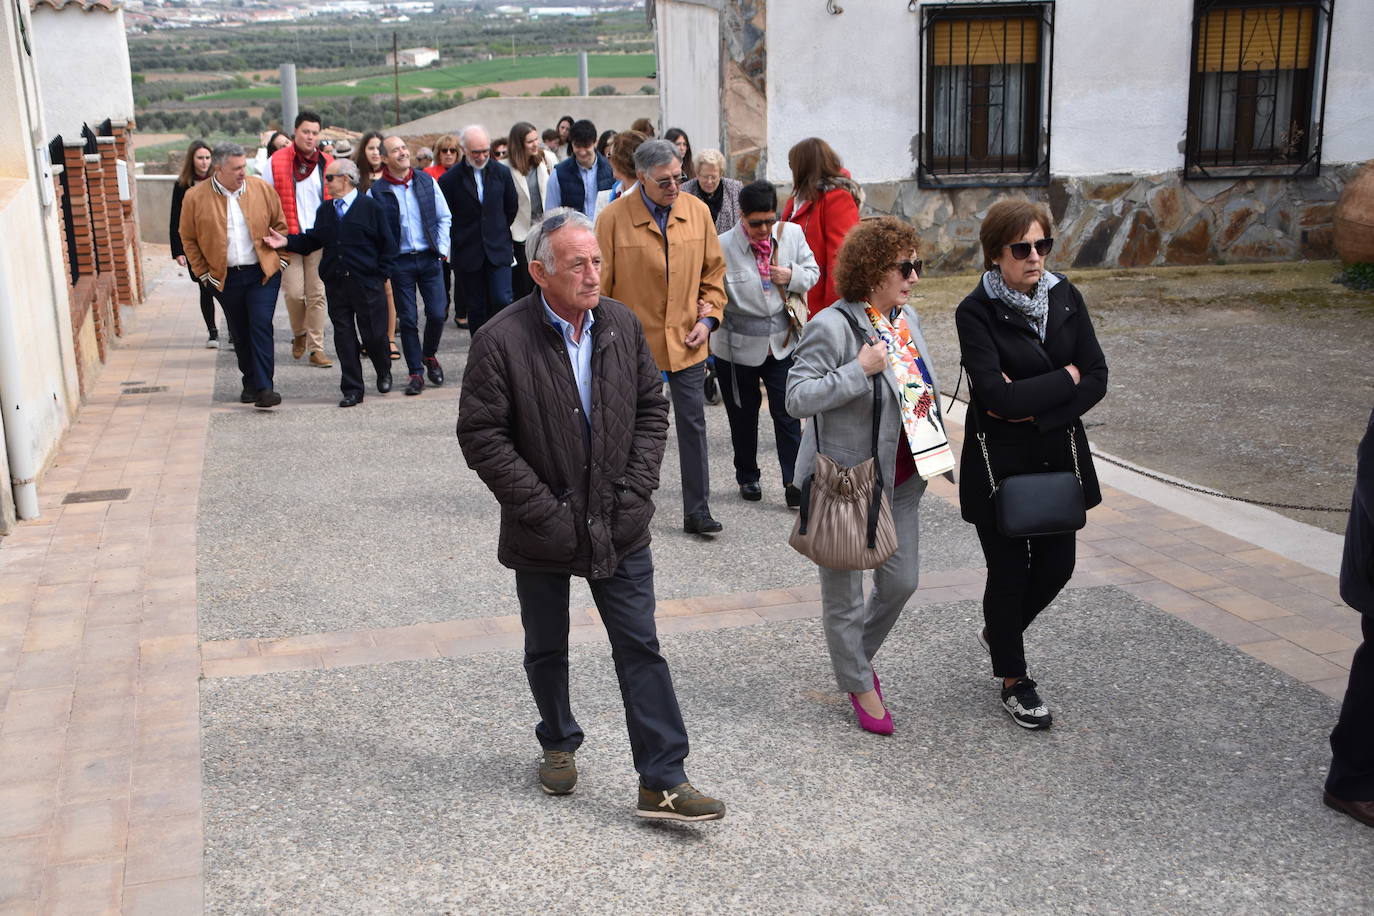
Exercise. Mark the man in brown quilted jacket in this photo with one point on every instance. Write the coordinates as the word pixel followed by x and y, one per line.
pixel 562 415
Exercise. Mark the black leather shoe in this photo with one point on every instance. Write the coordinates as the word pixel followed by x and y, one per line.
pixel 751 491
pixel 248 395
pixel 384 383
pixel 351 400
pixel 267 398
pixel 701 524
pixel 434 371
pixel 1362 811
pixel 417 384
pixel 793 496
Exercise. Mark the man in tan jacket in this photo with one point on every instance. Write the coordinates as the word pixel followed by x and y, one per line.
pixel 223 224
pixel 661 257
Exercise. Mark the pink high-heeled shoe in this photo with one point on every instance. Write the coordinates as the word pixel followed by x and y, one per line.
pixel 881 726
pixel 877 686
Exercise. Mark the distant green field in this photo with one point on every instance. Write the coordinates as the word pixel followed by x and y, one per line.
pixel 470 74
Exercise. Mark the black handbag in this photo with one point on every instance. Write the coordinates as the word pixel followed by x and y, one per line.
pixel 1034 505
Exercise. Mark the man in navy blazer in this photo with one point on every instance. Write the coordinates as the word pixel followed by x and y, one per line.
pixel 481 195
pixel 1350 781
pixel 359 255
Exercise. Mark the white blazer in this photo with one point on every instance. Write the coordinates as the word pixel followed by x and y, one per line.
pixel 520 229
pixel 755 321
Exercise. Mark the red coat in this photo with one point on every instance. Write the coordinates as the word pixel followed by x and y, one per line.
pixel 825 222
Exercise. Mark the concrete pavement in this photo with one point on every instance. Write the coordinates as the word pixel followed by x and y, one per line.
pixel 283 674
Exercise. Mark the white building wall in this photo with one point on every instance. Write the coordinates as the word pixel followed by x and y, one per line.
pixel 1119 97
pixel 83 67
pixel 689 71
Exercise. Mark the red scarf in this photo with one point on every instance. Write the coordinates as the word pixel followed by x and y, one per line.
pixel 403 182
pixel 302 167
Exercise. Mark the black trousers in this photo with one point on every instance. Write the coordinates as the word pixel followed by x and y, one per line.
pixel 357 307
pixel 249 305
pixel 522 284
pixel 1024 575
pixel 658 739
pixel 689 420
pixel 1351 777
pixel 207 305
pixel 733 379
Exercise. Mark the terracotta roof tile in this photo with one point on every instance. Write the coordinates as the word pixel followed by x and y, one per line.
pixel 108 6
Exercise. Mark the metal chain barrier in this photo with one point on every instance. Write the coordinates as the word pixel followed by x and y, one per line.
pixel 1206 491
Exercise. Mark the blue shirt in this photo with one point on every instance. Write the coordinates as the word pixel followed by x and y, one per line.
pixel 413 237
pixel 342 204
pixel 553 196
pixel 579 355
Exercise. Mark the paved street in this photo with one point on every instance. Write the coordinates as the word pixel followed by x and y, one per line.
pixel 283 675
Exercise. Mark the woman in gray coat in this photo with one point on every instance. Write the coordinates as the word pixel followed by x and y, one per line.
pixel 832 382
pixel 754 343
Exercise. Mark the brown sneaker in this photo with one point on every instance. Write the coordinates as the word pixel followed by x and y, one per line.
pixel 680 803
pixel 317 358
pixel 298 346
pixel 558 772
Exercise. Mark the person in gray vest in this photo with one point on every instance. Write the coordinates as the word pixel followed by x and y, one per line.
pixel 755 341
pixel 576 180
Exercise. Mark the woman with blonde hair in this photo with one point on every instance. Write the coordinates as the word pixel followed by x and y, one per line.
pixel 825 203
pixel 832 382
pixel 711 186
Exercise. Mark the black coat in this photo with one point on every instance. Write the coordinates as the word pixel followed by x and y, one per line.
pixel 1357 563
pixel 174 229
pixel 571 501
pixel 994 339
pixel 481 231
pixel 363 244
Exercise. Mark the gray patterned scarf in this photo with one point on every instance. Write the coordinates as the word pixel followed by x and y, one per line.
pixel 1035 307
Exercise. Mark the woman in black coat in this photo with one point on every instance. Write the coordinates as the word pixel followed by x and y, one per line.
pixel 195 169
pixel 1035 368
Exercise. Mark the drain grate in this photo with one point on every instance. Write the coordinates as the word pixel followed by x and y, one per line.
pixel 96 496
pixel 145 389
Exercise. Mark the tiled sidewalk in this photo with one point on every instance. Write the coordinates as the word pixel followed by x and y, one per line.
pixel 100 790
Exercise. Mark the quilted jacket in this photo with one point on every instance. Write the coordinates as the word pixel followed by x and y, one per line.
pixel 573 500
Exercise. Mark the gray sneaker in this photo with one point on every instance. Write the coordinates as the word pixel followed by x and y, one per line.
pixel 680 803
pixel 558 772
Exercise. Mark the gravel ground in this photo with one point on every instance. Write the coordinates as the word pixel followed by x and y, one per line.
pixel 1182 400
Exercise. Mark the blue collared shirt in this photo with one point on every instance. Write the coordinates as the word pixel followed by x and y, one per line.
pixel 660 214
pixel 553 194
pixel 345 202
pixel 579 355
pixel 413 236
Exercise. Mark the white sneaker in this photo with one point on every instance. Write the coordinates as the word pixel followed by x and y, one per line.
pixel 212 343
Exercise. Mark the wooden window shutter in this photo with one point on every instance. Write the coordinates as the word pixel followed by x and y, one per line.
pixel 985 42
pixel 1279 38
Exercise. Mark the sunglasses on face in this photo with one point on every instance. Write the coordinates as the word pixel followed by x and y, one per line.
pixel 907 268
pixel 1021 250
pixel 670 181
pixel 500 154
pixel 760 223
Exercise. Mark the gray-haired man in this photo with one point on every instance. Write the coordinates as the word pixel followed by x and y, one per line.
pixel 562 416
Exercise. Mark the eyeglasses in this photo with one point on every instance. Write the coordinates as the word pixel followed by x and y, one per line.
pixel 448 149
pixel 760 223
pixel 479 152
pixel 329 177
pixel 907 268
pixel 500 154
pixel 1021 250
pixel 670 181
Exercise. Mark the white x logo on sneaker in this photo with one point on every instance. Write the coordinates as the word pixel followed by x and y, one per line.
pixel 668 799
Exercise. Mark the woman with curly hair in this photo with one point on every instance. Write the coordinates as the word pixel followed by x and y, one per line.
pixel 831 382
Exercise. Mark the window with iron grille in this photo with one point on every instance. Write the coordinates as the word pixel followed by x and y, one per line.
pixel 985 73
pixel 1257 88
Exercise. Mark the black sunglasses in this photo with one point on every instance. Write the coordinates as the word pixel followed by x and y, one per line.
pixel 760 223
pixel 1021 250
pixel 907 268
pixel 666 183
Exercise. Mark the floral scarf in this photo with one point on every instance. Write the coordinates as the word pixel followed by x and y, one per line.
pixel 925 433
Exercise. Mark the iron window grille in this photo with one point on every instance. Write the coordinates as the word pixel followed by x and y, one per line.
pixel 1257 88
pixel 986 74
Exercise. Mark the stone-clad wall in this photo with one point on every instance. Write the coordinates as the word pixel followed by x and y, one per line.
pixel 1134 220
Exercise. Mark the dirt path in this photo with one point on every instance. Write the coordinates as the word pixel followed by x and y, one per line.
pixel 1252 379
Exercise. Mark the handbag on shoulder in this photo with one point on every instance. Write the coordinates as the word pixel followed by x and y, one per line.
pixel 1038 504
pixel 845 518
pixel 793 303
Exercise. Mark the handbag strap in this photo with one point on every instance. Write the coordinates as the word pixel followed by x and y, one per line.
pixel 975 419
pixel 876 502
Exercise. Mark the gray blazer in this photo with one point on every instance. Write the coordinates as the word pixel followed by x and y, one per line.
pixel 826 380
pixel 754 317
pixel 729 206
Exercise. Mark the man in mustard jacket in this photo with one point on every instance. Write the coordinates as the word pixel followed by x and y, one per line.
pixel 661 257
pixel 223 224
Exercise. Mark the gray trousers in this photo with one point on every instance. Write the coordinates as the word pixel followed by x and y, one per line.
pixel 689 417
pixel 855 628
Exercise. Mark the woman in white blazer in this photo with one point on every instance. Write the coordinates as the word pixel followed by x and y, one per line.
pixel 754 342
pixel 529 164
